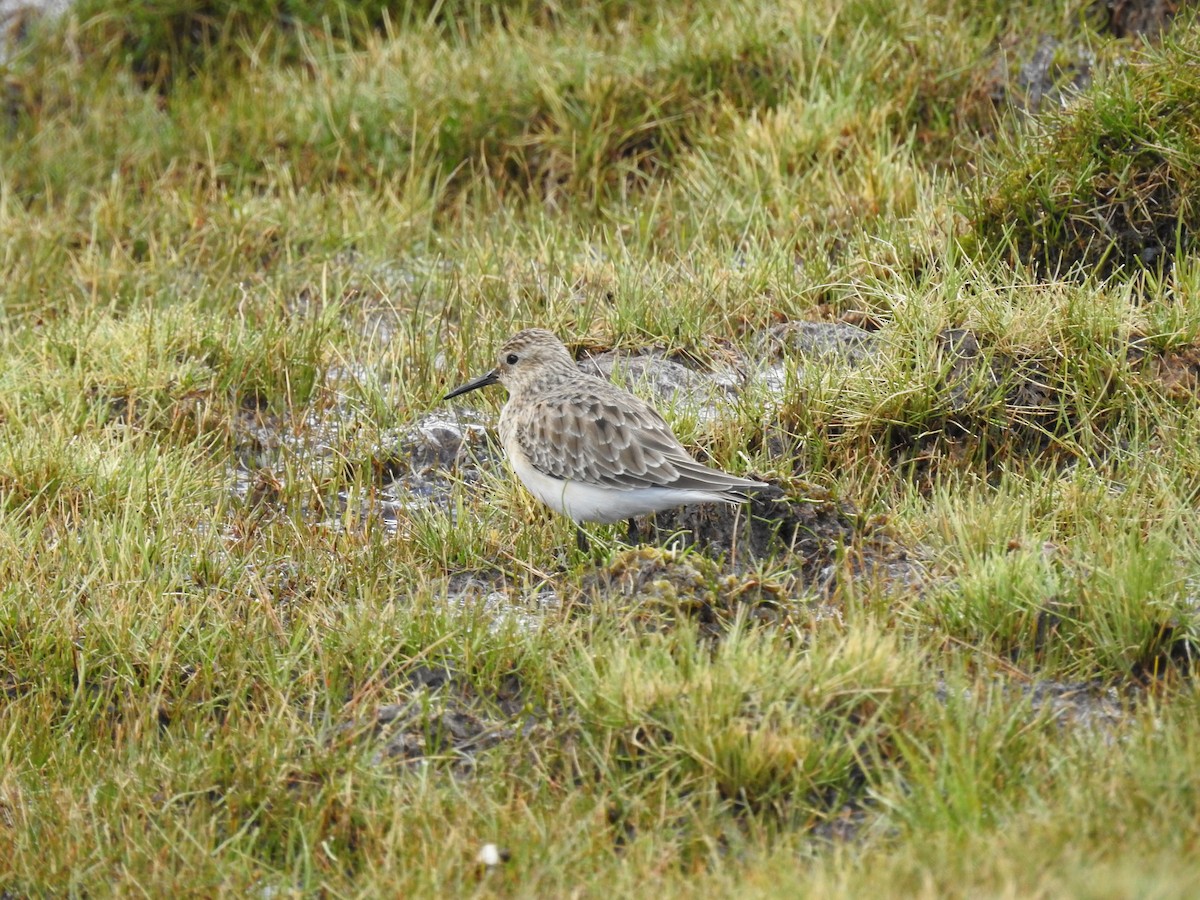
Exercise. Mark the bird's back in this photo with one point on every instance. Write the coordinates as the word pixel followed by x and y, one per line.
pixel 585 429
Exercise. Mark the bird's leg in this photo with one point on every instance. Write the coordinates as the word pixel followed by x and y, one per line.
pixel 635 536
pixel 581 540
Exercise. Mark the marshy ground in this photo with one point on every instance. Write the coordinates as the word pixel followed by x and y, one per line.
pixel 276 621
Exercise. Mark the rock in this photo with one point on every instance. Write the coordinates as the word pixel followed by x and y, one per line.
pixel 822 341
pixel 18 16
pixel 667 380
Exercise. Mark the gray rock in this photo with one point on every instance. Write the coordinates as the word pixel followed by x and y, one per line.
pixel 17 16
pixel 667 380
pixel 822 341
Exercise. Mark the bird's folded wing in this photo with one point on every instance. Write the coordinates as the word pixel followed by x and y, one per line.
pixel 613 445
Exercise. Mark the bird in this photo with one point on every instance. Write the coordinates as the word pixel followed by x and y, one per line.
pixel 588 449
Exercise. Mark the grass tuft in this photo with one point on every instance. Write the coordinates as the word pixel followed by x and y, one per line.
pixel 1105 186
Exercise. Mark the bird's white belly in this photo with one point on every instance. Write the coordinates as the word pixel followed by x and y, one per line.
pixel 596 503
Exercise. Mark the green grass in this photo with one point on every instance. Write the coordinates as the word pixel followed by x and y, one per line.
pixel 256 637
pixel 1110 183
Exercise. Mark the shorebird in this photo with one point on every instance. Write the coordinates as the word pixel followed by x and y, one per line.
pixel 588 449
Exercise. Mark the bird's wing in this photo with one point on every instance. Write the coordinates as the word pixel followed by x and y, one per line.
pixel 623 445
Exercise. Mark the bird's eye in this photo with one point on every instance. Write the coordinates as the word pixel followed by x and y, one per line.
pixel 511 359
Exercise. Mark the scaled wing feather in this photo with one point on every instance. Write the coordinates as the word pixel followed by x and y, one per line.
pixel 612 444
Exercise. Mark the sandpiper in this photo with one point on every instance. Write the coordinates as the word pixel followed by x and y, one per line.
pixel 588 449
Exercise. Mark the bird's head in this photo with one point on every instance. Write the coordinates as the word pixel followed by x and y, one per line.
pixel 521 359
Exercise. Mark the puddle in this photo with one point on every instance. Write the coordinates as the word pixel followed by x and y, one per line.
pixel 504 604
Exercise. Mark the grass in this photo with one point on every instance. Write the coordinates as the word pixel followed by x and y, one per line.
pixel 259 635
pixel 1108 185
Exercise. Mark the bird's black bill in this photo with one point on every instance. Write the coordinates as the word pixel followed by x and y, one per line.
pixel 482 381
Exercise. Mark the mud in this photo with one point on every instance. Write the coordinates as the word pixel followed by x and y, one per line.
pixel 1177 372
pixel 1016 403
pixel 846 826
pixel 822 340
pixel 1129 18
pixel 976 378
pixel 411 732
pixel 442 718
pixel 660 587
pixel 804 524
pixel 702 562
pixel 1172 650
pixel 1088 705
pixel 414 467
pixel 1048 76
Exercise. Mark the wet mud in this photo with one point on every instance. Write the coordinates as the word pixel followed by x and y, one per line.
pixel 439 717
